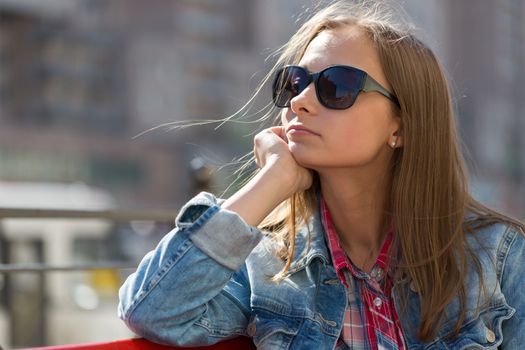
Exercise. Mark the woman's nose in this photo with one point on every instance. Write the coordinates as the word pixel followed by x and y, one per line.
pixel 305 102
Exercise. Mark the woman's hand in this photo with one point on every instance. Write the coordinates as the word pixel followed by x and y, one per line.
pixel 271 151
pixel 279 178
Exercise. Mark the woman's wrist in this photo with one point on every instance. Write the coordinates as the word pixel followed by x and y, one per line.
pixel 263 193
pixel 293 177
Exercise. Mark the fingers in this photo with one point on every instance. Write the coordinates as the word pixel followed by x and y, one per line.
pixel 279 131
pixel 269 142
pixel 257 160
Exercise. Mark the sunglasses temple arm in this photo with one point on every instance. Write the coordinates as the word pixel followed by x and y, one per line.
pixel 372 85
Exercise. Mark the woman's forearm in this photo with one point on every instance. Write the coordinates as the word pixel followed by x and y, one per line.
pixel 260 195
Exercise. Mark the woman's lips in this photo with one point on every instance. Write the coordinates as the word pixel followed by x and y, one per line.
pixel 299 130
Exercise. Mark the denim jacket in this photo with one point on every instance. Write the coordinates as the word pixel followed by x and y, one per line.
pixel 208 280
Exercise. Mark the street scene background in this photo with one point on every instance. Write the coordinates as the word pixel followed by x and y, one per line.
pixel 90 91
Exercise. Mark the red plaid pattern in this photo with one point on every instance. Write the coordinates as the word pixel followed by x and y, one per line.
pixel 370 320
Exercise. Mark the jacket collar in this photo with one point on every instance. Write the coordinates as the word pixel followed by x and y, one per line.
pixel 317 247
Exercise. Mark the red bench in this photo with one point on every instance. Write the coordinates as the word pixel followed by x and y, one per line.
pixel 143 344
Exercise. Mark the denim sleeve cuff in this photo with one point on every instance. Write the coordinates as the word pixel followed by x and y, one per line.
pixel 223 235
pixel 193 210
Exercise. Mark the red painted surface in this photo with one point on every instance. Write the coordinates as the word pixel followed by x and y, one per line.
pixel 143 344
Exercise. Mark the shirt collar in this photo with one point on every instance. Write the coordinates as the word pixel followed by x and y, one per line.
pixel 338 255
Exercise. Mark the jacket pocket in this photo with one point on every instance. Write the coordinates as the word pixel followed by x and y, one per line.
pixel 272 331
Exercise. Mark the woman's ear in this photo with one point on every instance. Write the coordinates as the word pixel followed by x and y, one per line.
pixel 396 140
pixel 396 137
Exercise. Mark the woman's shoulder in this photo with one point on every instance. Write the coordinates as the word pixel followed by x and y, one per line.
pixel 497 242
pixel 493 234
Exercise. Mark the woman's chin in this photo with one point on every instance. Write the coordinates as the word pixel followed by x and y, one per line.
pixel 303 158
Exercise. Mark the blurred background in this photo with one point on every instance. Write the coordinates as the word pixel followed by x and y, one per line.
pixel 82 199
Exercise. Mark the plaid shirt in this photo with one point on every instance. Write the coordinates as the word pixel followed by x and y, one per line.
pixel 370 320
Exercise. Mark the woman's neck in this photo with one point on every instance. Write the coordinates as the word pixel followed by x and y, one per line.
pixel 357 206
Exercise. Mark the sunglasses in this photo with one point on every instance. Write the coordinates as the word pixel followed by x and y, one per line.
pixel 336 87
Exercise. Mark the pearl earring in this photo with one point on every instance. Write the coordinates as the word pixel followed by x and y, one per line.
pixel 393 144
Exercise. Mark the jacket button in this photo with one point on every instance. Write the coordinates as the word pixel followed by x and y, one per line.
pixel 413 287
pixel 491 337
pixel 251 329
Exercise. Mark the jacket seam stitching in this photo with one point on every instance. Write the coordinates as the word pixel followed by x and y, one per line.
pixel 503 252
pixel 186 245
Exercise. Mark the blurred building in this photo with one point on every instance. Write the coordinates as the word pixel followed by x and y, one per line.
pixel 80 78
pixel 491 60
pixel 65 103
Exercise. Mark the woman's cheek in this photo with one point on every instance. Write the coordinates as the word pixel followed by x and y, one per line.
pixel 286 116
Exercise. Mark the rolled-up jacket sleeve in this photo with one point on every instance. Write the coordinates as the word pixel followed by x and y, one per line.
pixel 193 288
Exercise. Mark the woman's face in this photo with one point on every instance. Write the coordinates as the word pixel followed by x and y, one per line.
pixel 355 137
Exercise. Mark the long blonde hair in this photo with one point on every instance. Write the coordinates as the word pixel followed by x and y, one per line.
pixel 429 197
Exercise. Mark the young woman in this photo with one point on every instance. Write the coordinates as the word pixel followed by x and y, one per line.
pixel 357 231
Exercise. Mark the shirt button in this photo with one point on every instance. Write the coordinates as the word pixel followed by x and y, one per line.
pixel 378 302
pixel 377 273
pixel 491 337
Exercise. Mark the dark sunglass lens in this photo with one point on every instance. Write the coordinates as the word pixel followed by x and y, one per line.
pixel 288 83
pixel 338 87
